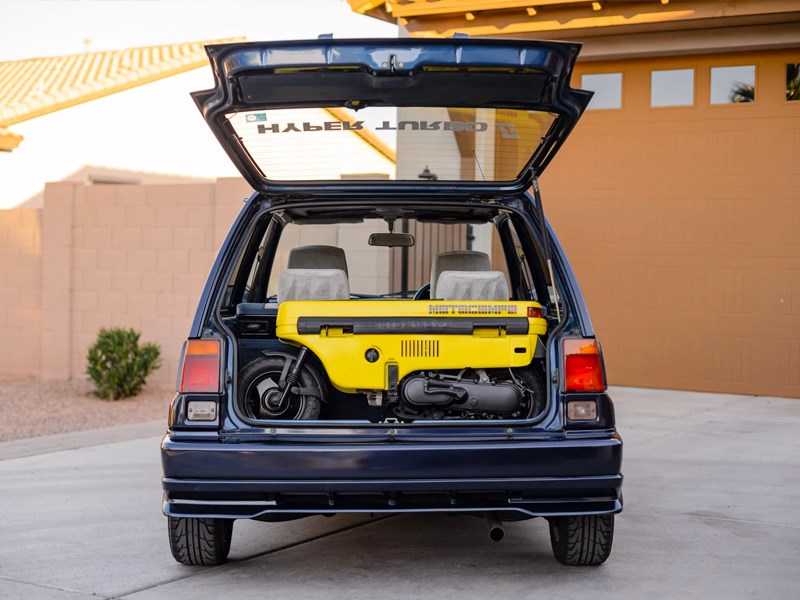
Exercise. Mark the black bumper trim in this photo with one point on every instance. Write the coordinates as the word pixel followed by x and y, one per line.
pixel 409 325
pixel 528 496
pixel 603 506
pixel 256 480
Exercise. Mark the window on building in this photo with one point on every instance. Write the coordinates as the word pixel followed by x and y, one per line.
pixel 793 81
pixel 672 88
pixel 733 85
pixel 607 88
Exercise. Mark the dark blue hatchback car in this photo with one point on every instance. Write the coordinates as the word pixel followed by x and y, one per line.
pixel 314 381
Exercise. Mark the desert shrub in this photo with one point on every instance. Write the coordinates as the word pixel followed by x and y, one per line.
pixel 119 365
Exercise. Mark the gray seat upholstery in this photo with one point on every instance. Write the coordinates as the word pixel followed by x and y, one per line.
pixel 313 284
pixel 458 260
pixel 472 285
pixel 317 257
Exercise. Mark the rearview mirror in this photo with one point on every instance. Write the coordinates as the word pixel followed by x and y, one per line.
pixel 391 240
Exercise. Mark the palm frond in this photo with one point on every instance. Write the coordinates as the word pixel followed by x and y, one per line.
pixel 793 81
pixel 742 92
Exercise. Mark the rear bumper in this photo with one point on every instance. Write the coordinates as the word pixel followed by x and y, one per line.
pixel 257 480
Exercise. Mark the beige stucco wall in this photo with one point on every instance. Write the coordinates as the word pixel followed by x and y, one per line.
pixel 681 224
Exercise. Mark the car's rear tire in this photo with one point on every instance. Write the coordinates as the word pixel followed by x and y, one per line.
pixel 582 541
pixel 200 542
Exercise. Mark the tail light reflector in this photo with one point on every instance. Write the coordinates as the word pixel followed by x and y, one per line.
pixel 535 312
pixel 200 367
pixel 582 410
pixel 583 367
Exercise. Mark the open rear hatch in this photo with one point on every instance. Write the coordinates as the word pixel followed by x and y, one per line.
pixel 435 117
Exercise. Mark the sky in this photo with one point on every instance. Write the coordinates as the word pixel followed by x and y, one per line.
pixel 33 28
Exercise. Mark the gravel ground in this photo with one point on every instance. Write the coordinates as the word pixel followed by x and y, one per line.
pixel 32 409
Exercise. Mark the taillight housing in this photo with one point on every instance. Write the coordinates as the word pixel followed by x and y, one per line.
pixel 201 367
pixel 583 366
pixel 535 312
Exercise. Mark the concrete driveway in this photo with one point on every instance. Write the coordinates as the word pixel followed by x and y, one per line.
pixel 712 510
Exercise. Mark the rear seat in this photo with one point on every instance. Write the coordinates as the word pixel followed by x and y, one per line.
pixel 313 284
pixel 315 273
pixel 457 260
pixel 317 257
pixel 466 275
pixel 474 285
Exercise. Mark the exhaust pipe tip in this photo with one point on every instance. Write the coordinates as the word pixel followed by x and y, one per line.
pixel 496 534
pixel 496 531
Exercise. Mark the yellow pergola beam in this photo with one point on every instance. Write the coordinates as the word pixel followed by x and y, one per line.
pixel 529 26
pixel 442 7
pixel 437 18
pixel 363 6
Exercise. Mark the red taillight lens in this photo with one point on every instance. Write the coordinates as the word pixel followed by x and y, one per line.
pixel 535 312
pixel 583 369
pixel 200 367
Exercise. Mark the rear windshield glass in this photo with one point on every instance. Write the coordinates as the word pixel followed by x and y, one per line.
pixel 377 271
pixel 405 144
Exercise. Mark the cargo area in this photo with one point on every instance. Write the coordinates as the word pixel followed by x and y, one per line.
pixel 467 344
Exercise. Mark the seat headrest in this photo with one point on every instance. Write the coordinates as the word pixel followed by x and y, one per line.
pixel 313 284
pixel 474 285
pixel 317 257
pixel 458 260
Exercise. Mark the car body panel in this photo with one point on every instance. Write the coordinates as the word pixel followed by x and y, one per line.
pixel 536 478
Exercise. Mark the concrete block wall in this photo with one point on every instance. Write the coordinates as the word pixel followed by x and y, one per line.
pixel 128 256
pixel 140 258
pixel 106 256
pixel 20 292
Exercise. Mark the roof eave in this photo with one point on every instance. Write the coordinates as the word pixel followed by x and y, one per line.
pixel 9 140
pixel 82 92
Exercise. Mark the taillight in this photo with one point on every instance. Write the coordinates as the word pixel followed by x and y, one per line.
pixel 583 367
pixel 535 312
pixel 200 367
